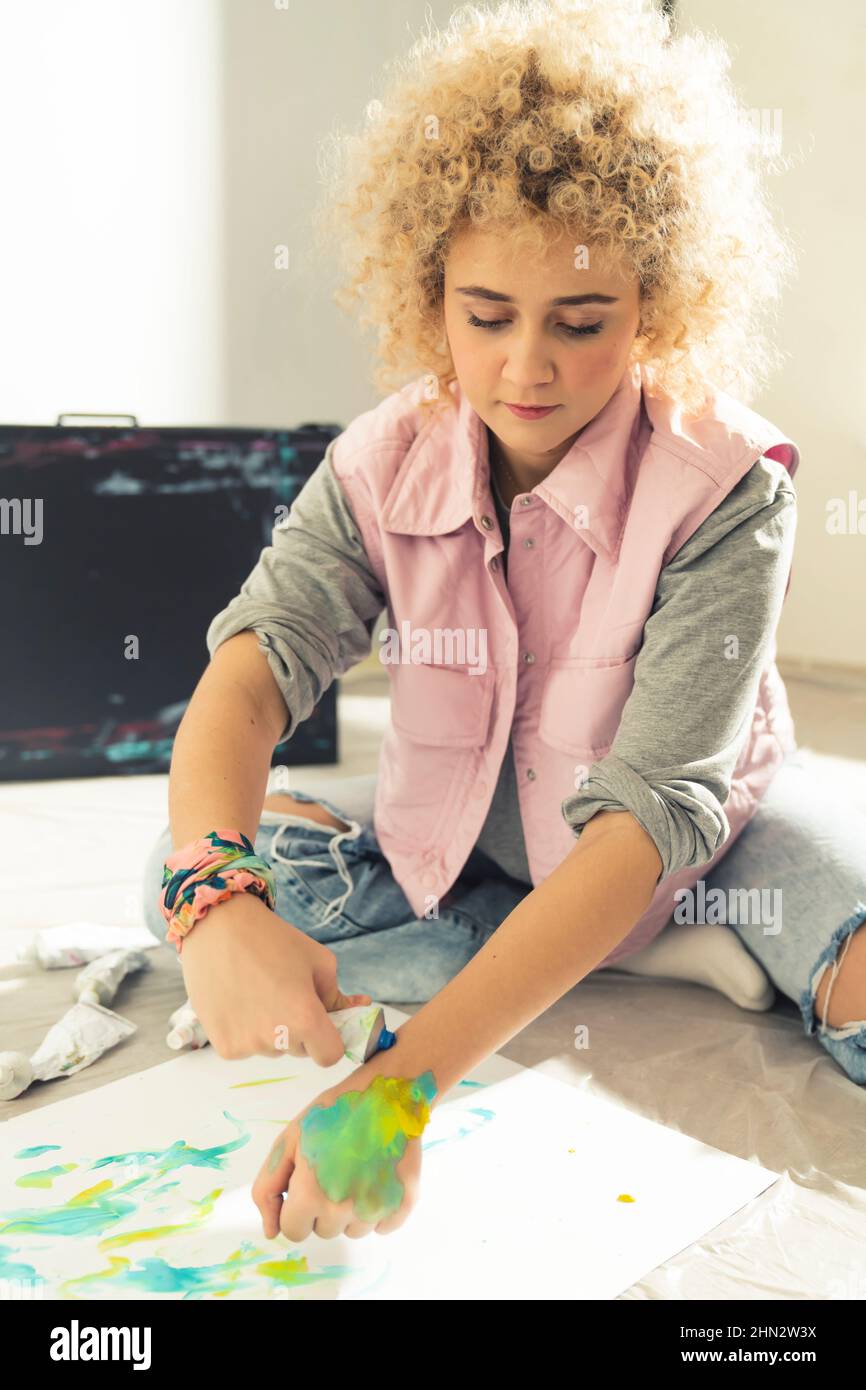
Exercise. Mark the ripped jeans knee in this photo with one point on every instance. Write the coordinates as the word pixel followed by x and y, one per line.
pixel 353 831
pixel 846 1043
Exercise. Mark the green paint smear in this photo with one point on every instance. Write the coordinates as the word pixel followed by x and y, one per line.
pixel 95 1209
pixel 44 1177
pixel 205 1206
pixel 86 1214
pixel 35 1150
pixel 355 1143
pixel 156 1275
pixel 180 1154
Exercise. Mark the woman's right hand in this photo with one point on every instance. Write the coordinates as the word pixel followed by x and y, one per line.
pixel 261 986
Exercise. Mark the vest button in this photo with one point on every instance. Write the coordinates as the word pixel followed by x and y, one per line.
pixel 529 657
pixel 528 543
pixel 487 523
pixel 531 773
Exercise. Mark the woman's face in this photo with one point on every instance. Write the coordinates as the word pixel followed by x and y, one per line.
pixel 534 356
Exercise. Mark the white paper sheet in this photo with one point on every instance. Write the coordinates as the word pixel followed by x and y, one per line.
pixel 520 1185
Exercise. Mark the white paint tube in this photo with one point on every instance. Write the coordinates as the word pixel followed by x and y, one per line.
pixel 76 943
pixel 363 1030
pixel 99 981
pixel 186 1030
pixel 82 1035
pixel 16 1074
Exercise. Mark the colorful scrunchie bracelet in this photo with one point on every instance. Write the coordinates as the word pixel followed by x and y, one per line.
pixel 207 871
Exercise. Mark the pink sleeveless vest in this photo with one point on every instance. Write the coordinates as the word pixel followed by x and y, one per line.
pixel 552 653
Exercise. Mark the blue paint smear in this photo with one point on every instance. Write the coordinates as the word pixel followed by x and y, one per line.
pixel 243 1270
pixel 485 1115
pixel 179 1154
pixel 12 1269
pixel 105 1209
pixel 35 1150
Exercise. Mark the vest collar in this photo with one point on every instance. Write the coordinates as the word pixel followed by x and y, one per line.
pixel 444 479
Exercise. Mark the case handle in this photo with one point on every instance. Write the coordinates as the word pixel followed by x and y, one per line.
pixel 94 415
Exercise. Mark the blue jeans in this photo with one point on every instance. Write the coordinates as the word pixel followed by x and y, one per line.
pixel 804 850
pixel 338 888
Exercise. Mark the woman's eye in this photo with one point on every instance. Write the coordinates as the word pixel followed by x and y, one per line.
pixel 569 327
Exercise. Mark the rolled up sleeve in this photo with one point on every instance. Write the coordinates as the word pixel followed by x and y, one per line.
pixel 705 645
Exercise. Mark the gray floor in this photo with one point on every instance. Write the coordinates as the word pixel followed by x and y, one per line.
pixel 749 1084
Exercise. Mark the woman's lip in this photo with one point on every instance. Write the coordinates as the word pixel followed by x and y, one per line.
pixel 530 412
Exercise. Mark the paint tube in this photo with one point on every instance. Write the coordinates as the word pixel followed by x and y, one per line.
pixel 186 1030
pixel 82 1035
pixel 363 1031
pixel 16 1074
pixel 99 981
pixel 76 943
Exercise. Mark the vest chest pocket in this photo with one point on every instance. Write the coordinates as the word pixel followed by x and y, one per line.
pixel 442 705
pixel 582 705
pixel 440 718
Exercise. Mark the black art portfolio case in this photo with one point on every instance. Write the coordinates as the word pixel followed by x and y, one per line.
pixel 117 532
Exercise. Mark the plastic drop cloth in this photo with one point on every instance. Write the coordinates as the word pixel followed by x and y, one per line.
pixel 751 1084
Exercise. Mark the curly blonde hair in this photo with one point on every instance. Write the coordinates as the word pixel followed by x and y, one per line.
pixel 548 118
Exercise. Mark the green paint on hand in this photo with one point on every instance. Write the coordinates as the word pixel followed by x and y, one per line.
pixel 355 1144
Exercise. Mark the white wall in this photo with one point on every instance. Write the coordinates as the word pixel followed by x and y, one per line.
pixel 291 76
pixel 111 238
pixel 811 65
pixel 153 155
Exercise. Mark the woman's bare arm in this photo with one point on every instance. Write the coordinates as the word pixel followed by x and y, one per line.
pixel 222 750
pixel 554 937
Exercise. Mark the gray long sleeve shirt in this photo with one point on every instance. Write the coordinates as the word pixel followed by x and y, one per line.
pixel 314 601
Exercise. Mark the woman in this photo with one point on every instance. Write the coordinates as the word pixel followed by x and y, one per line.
pixel 583 537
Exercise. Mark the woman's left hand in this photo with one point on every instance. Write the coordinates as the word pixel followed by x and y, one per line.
pixel 288 1193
